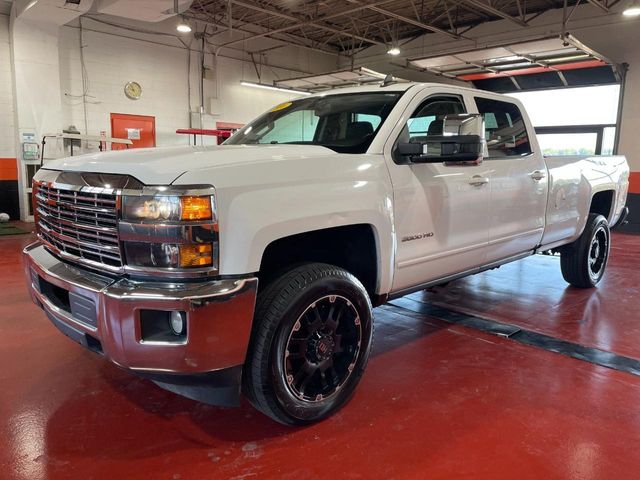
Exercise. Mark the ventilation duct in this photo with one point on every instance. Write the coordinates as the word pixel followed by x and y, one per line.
pixel 142 10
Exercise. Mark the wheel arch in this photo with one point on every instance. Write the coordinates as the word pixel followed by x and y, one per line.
pixel 355 248
pixel 602 203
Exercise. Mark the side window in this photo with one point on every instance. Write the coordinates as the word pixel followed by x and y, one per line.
pixel 428 119
pixel 505 129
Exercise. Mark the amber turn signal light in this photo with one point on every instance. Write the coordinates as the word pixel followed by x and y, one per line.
pixel 198 255
pixel 196 208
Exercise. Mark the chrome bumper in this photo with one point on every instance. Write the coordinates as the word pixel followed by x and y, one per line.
pixel 104 315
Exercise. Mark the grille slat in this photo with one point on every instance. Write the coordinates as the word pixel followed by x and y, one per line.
pixel 76 234
pixel 83 207
pixel 80 223
pixel 73 196
pixel 64 221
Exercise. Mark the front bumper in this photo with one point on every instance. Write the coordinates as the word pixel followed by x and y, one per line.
pixel 103 314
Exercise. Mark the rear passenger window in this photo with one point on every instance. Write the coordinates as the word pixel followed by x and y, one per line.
pixel 505 130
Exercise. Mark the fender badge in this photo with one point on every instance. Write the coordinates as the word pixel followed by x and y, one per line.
pixel 420 236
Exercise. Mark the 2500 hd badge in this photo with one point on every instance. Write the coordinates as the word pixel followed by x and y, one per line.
pixel 420 236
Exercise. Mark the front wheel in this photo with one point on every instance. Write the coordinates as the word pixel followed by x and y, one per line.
pixel 310 344
pixel 584 261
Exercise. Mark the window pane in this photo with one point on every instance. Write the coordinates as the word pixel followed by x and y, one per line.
pixel 345 123
pixel 505 130
pixel 608 139
pixel 572 106
pixel 299 126
pixel 374 120
pixel 560 144
pixel 428 120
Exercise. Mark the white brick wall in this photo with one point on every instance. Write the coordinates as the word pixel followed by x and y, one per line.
pixel 112 61
pixel 7 120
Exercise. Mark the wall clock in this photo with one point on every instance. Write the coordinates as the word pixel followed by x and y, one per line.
pixel 133 90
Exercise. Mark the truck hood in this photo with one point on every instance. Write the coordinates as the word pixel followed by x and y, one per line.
pixel 162 166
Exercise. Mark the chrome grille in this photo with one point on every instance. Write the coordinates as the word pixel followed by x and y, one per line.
pixel 80 223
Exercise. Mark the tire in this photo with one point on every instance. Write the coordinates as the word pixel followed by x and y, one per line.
pixel 584 261
pixel 310 344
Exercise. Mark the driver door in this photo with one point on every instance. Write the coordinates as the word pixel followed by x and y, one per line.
pixel 441 211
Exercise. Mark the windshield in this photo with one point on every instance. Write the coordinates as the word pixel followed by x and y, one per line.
pixel 344 123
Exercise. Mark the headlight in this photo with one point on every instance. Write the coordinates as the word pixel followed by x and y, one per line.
pixel 169 231
pixel 167 208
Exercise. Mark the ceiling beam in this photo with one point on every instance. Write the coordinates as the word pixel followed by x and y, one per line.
pixel 288 41
pixel 413 22
pixel 298 23
pixel 599 4
pixel 498 13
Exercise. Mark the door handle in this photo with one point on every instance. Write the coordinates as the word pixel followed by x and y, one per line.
pixel 537 175
pixel 478 181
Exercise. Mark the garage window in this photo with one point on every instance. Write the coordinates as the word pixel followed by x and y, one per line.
pixel 505 129
pixel 575 121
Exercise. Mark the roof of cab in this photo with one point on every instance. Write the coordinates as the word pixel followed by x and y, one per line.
pixel 374 87
pixel 393 87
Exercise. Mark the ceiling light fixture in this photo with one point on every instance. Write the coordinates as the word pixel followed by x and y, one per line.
pixel 183 27
pixel 394 51
pixel 632 10
pixel 270 87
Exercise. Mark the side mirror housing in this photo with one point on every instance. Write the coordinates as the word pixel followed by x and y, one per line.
pixel 448 149
pixel 462 141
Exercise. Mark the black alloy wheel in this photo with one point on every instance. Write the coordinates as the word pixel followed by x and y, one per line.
pixel 311 339
pixel 584 261
pixel 322 348
pixel 598 253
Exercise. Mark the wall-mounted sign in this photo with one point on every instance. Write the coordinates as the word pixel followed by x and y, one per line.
pixel 133 133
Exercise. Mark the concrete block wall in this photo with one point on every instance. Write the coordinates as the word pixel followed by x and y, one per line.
pixel 162 70
pixel 111 62
pixel 9 202
pixel 7 120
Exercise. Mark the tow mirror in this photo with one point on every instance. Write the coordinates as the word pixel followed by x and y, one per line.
pixel 461 142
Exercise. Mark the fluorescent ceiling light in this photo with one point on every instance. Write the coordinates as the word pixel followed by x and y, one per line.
pixel 270 87
pixel 394 51
pixel 632 10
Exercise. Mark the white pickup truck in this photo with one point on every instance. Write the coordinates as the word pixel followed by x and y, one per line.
pixel 253 266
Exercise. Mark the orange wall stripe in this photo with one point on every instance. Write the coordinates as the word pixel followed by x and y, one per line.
pixel 8 169
pixel 634 182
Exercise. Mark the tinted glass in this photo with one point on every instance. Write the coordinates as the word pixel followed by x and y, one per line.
pixel 427 120
pixel 505 129
pixel 345 123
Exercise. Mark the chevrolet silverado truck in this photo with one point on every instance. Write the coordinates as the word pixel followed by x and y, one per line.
pixel 253 267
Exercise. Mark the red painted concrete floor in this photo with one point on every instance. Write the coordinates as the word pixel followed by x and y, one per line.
pixel 532 294
pixel 437 401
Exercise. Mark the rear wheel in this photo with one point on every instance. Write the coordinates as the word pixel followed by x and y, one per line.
pixel 584 261
pixel 310 344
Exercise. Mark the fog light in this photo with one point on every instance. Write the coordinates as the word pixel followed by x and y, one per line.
pixel 196 255
pixel 177 323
